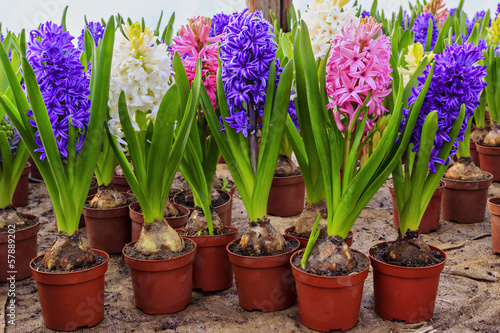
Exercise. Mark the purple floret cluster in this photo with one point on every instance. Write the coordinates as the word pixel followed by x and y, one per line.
pixel 457 80
pixel 421 28
pixel 63 83
pixel 96 29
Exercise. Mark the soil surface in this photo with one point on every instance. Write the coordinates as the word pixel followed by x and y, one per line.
pixel 468 298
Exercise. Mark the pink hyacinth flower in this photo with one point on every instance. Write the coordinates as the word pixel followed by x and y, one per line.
pixel 358 65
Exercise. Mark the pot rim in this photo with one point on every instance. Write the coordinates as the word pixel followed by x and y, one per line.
pixel 490 177
pixel 401 269
pixel 310 277
pixel 256 258
pixel 287 230
pixel 234 230
pixel 29 231
pixel 178 206
pixel 189 207
pixel 288 180
pixel 100 252
pixel 86 210
pixel 494 204
pixel 161 260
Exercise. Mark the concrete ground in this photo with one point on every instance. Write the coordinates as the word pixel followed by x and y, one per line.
pixel 468 298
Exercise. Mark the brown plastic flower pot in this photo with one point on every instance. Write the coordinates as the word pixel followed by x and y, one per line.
pixel 405 293
pixel 489 159
pixel 494 207
pixel 24 242
pixel 20 197
pixel 303 241
pixel 329 302
pixel 74 299
pixel 430 220
pixel 92 192
pixel 162 286
pixel 286 197
pixel 212 270
pixel 108 229
pixel 465 201
pixel 264 283
pixel 138 219
pixel 225 211
pixel 120 183
pixel 473 153
pixel 34 172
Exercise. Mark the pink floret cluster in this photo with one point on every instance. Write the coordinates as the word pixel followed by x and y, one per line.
pixel 358 64
pixel 192 43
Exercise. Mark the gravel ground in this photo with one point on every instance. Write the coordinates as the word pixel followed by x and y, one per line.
pixel 468 298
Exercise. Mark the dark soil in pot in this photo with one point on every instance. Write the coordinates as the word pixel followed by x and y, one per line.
pixel 220 205
pixel 162 255
pixel 303 238
pixel 361 259
pixel 38 265
pixel 290 245
pixel 379 251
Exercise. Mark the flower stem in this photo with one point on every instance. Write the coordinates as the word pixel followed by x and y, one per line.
pixel 252 137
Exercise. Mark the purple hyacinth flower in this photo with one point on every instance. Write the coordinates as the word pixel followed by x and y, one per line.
pixel 498 11
pixel 421 27
pixel 452 11
pixel 365 14
pixel 63 83
pixel 96 29
pixel 406 20
pixel 457 80
pixel 246 53
pixel 219 22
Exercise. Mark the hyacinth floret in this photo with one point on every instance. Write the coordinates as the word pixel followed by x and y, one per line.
pixel 193 43
pixel 457 80
pixel 437 9
pixel 246 53
pixel 421 27
pixel 219 22
pixel 63 83
pixel 406 20
pixel 325 19
pixel 358 65
pixel 365 14
pixel 497 11
pixel 141 68
pixel 96 29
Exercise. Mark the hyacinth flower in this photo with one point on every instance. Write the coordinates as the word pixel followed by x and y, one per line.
pixel 450 101
pixel 340 141
pixel 199 161
pixel 151 117
pixel 413 59
pixel 325 19
pixel 426 30
pixel 218 23
pixel 65 131
pixel 437 9
pixel 246 90
pixel 96 29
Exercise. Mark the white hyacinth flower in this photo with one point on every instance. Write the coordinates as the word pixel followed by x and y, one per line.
pixel 325 19
pixel 141 69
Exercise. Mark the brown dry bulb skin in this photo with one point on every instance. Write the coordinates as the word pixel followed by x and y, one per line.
pixel 464 169
pixel 410 250
pixel 262 239
pixel 305 222
pixel 478 134
pixel 10 216
pixel 170 210
pixel 285 167
pixel 68 253
pixel 197 224
pixel 492 139
pixel 108 197
pixel 331 255
pixel 158 236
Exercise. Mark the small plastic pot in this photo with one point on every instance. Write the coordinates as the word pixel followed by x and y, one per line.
pixel 494 207
pixel 264 283
pixel 287 196
pixel 74 299
pixel 329 302
pixel 20 197
pixel 473 153
pixel 430 220
pixel 303 241
pixel 108 229
pixel 212 270
pixel 24 242
pixel 162 286
pixel 120 183
pixel 458 196
pixel 225 211
pixel 489 159
pixel 34 172
pixel 405 293
pixel 138 219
